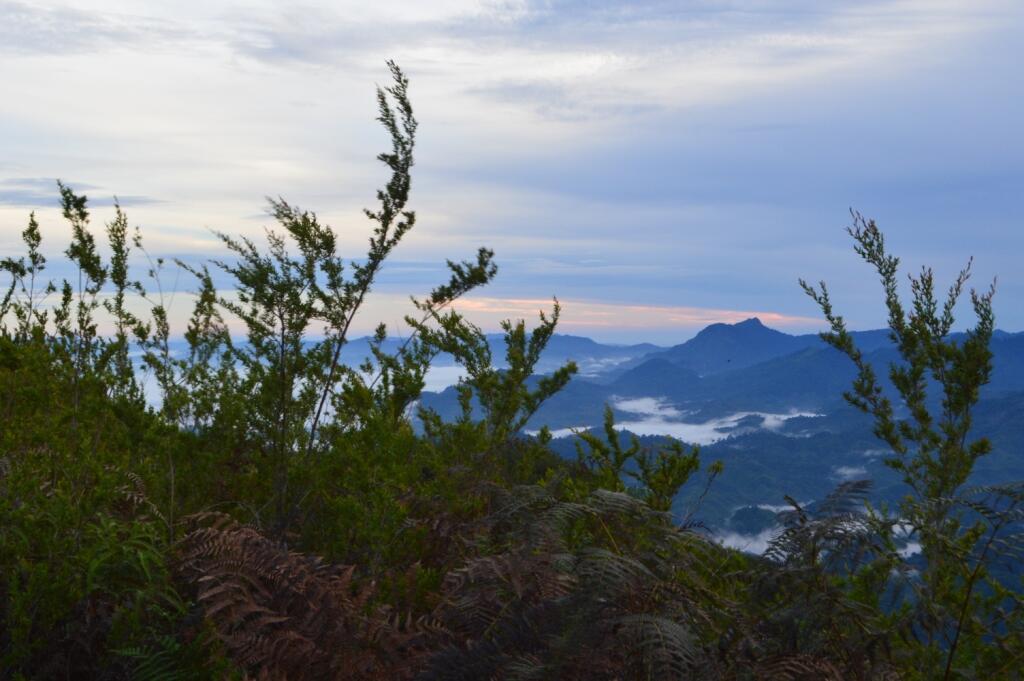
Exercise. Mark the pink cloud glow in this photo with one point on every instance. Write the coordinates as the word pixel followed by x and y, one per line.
pixel 583 315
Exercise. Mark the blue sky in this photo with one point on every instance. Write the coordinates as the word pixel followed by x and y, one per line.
pixel 656 165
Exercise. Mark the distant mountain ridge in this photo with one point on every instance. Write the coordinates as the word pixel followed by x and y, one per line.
pixel 729 368
pixel 743 383
pixel 723 347
pixel 749 366
pixel 592 357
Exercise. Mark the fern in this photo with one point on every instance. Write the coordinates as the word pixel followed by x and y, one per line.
pixel 549 605
pixel 288 615
pixel 159 662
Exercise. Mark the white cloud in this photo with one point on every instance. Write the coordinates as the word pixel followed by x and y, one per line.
pixel 845 473
pixel 749 543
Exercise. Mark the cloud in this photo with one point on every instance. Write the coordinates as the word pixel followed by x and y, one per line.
pixel 749 543
pixel 36 192
pixel 38 29
pixel 560 101
pixel 845 473
pixel 42 183
pixel 612 153
pixel 582 315
pixel 27 197
pixel 600 59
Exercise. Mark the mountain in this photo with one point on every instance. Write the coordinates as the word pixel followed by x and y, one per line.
pixel 808 457
pixel 755 369
pixel 656 377
pixel 808 379
pixel 591 357
pixel 770 406
pixel 1007 362
pixel 724 347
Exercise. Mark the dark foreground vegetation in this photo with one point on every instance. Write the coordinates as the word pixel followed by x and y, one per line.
pixel 283 516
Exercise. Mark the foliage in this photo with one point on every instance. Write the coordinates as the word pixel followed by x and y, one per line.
pixel 962 612
pixel 278 513
pixel 286 614
pixel 660 472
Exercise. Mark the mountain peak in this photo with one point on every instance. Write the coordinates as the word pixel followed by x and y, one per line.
pixel 724 347
pixel 752 325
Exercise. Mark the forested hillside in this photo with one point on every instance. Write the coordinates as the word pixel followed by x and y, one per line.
pixel 280 512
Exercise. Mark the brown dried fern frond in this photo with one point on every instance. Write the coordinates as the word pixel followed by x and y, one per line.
pixel 539 604
pixel 134 497
pixel 284 615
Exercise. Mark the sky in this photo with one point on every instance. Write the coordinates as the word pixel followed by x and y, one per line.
pixel 657 166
